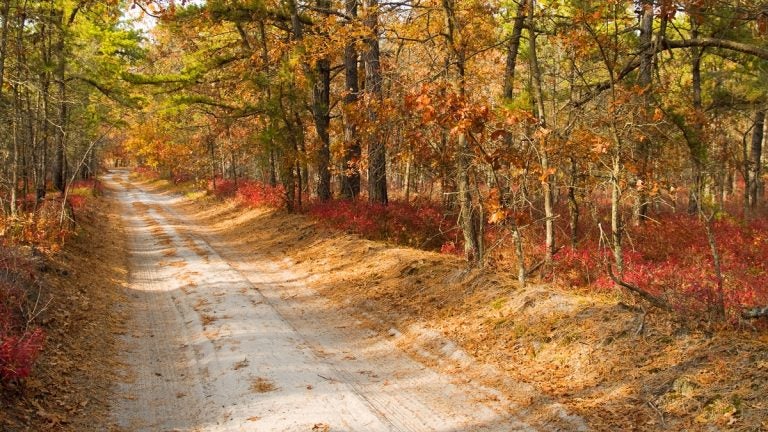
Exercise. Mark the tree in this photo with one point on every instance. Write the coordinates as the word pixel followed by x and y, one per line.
pixel 350 178
pixel 55 58
pixel 377 151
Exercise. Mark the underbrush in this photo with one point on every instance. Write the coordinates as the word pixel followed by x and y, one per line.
pixel 21 341
pixel 80 190
pixel 249 192
pixel 41 227
pixel 668 256
pixel 672 259
pixel 422 225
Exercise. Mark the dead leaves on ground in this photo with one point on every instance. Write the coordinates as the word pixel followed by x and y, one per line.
pixel 262 385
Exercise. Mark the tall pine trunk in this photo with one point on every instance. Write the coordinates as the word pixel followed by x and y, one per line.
pixel 60 160
pixel 643 146
pixel 4 15
pixel 755 159
pixel 377 151
pixel 350 178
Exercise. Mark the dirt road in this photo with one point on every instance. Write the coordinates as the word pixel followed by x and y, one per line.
pixel 216 345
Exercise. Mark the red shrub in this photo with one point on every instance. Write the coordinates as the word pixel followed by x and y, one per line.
pixel 222 188
pixel 257 194
pixel 20 344
pixel 421 226
pixel 450 248
pixel 18 353
pixel 146 172
pixel 250 192
pixel 673 259
pixel 76 201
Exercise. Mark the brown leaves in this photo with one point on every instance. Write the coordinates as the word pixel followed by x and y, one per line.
pixel 262 385
pixel 439 104
pixel 69 386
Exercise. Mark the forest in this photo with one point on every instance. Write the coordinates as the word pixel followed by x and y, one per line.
pixel 612 145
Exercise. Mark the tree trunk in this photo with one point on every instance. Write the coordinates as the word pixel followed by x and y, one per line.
pixel 506 200
pixel 60 159
pixel 296 27
pixel 265 60
pixel 696 146
pixel 350 178
pixel 616 228
pixel 272 168
pixel 4 15
pixel 321 106
pixel 468 220
pixel 755 159
pixel 321 112
pixel 377 151
pixel 4 112
pixel 17 138
pixel 408 174
pixel 212 155
pixel 642 149
pixel 288 178
pixel 513 47
pixel 540 115
pixel 36 149
pixel 573 204
pixel 720 293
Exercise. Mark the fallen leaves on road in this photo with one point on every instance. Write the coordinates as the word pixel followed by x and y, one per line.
pixel 262 385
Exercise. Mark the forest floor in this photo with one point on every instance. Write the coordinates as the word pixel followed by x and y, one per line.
pixel 83 290
pixel 236 318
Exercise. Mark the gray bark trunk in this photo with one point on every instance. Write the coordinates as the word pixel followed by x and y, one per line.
pixel 468 220
pixel 543 151
pixel 644 79
pixel 616 228
pixel 573 204
pixel 696 146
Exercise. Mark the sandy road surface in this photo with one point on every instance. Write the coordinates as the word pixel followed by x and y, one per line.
pixel 213 345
